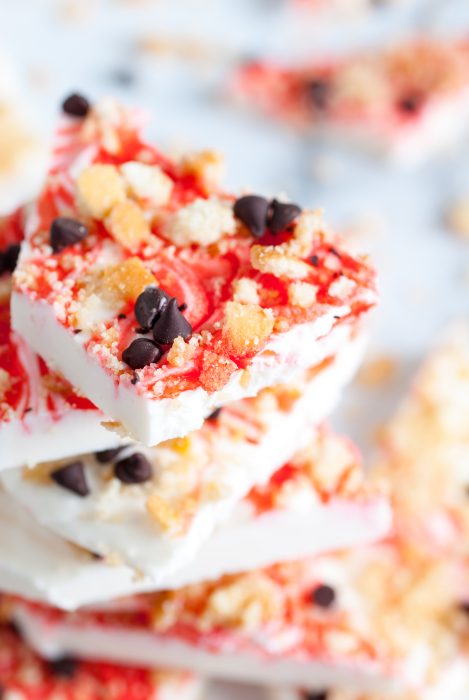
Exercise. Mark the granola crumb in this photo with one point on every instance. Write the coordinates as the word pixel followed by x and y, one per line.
pixel 207 166
pixel 147 183
pixel 302 294
pixel 245 291
pixel 276 261
pixel 203 221
pixel 127 225
pixel 378 371
pixel 457 217
pixel 180 352
pixel 99 189
pixel 246 327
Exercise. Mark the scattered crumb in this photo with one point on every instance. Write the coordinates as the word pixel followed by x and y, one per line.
pixel 457 217
pixel 378 371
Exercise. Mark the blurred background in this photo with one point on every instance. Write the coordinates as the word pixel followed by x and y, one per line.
pixel 176 58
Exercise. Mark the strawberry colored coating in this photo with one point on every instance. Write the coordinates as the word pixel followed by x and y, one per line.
pixel 24 673
pixel 31 386
pixel 200 277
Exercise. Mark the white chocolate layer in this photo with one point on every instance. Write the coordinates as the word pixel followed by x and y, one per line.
pixel 113 519
pixel 151 421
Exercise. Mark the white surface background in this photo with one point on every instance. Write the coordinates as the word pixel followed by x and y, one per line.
pixel 424 268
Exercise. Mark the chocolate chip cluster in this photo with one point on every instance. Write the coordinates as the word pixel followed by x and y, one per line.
pixel 161 316
pixel 258 214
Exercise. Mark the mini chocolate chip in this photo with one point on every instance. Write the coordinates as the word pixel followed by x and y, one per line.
pixel 72 477
pixel 141 352
pixel 77 331
pixel 281 215
pixel 323 596
pixel 316 695
pixel 121 317
pixel 171 324
pixel 318 92
pixel 135 379
pixel 65 232
pixel 76 105
pixel 10 257
pixel 141 331
pixel 135 469
pixel 314 260
pixel 149 305
pixel 252 211
pixel 104 456
pixel 182 307
pixel 65 667
pixel 335 252
pixel 410 104
pixel 28 410
pixel 215 414
pixel 96 556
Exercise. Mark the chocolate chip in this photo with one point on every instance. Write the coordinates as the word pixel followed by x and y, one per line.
pixel 121 317
pixel 10 257
pixel 135 469
pixel 316 695
pixel 410 104
pixel 323 596
pixel 72 477
pixel 141 352
pixel 65 667
pixel 215 414
pixel 65 232
pixel 252 211
pixel 281 215
pixel 76 105
pixel 182 307
pixel 149 305
pixel 104 456
pixel 318 92
pixel 314 260
pixel 171 324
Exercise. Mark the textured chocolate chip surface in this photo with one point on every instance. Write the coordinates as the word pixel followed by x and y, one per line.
pixel 318 91
pixel 171 324
pixel 76 105
pixel 141 352
pixel 135 469
pixel 149 305
pixel 104 456
pixel 410 104
pixel 323 596
pixel 281 215
pixel 215 414
pixel 252 211
pixel 65 232
pixel 10 257
pixel 65 667
pixel 72 477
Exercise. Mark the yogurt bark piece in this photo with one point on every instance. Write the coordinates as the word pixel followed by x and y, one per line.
pixel 449 682
pixel 161 297
pixel 153 508
pixel 425 450
pixel 41 416
pixel 343 620
pixel 25 676
pixel 315 503
pixel 408 101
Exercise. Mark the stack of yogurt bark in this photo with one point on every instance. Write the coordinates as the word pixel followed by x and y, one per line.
pixel 171 497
